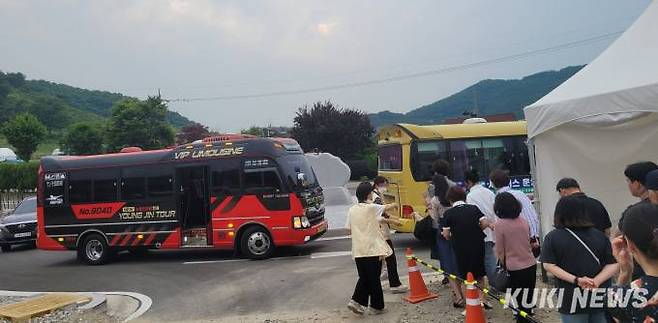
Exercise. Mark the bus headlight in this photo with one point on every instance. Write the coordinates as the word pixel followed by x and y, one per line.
pixel 300 222
pixel 305 222
pixel 297 222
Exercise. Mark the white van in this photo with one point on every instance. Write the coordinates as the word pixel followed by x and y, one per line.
pixel 7 154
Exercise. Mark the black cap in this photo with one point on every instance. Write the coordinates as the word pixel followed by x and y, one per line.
pixel 566 183
pixel 652 180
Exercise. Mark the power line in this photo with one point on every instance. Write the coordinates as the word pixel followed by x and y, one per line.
pixel 403 77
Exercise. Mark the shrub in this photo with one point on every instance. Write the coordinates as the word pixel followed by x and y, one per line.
pixel 21 176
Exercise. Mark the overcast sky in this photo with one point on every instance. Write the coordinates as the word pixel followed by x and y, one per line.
pixel 202 49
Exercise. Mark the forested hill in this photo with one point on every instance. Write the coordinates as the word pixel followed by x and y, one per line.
pixel 492 97
pixel 59 105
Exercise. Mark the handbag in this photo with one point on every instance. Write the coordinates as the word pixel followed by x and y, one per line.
pixel 501 277
pixel 424 231
pixel 536 250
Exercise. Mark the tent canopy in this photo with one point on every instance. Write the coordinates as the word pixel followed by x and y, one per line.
pixel 624 78
pixel 598 121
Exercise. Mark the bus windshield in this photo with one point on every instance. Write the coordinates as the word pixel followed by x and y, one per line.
pixel 481 154
pixel 297 172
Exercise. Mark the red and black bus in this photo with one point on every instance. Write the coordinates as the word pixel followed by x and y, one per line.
pixel 226 192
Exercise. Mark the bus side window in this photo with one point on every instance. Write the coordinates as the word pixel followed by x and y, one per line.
pixel 80 191
pixel 159 186
pixel 105 190
pixel 262 181
pixel 133 188
pixel 226 177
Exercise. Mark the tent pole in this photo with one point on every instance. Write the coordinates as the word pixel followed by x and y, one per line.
pixel 536 202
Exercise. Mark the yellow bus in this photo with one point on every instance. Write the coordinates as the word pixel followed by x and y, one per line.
pixel 406 153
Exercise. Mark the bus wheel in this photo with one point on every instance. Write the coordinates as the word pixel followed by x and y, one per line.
pixel 256 243
pixel 93 250
pixel 5 248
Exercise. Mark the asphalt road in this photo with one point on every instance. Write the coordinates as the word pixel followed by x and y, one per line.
pixel 201 284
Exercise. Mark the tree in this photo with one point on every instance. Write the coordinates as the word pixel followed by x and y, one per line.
pixel 255 131
pixel 24 132
pixel 83 139
pixel 139 123
pixel 191 132
pixel 342 132
pixel 15 79
pixel 5 87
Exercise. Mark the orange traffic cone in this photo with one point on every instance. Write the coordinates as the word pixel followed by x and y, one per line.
pixel 417 290
pixel 474 310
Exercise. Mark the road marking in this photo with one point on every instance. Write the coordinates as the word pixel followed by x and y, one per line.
pixel 334 238
pixel 213 261
pixel 319 255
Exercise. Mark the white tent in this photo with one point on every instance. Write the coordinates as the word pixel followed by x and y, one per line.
pixel 599 120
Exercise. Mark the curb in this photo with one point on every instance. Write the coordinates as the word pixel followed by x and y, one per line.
pixel 145 303
pixel 98 299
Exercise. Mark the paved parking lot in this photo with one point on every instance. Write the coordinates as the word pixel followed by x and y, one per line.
pixel 201 285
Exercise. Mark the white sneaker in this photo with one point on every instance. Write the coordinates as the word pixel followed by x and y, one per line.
pixel 356 307
pixel 374 311
pixel 399 289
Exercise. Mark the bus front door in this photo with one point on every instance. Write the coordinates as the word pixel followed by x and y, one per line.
pixel 193 208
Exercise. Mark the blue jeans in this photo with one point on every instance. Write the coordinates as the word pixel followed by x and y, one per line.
pixel 489 260
pixel 593 317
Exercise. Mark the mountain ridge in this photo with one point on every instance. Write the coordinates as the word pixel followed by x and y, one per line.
pixel 59 105
pixel 493 96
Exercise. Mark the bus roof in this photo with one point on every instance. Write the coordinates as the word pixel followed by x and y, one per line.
pixel 404 133
pixel 272 147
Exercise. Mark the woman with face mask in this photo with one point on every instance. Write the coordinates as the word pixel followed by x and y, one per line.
pixel 381 185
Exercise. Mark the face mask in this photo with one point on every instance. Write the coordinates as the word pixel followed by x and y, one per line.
pixel 382 189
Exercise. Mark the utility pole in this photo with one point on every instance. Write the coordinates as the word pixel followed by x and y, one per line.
pixel 476 109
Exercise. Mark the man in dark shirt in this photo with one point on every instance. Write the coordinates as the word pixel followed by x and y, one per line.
pixel 636 177
pixel 594 208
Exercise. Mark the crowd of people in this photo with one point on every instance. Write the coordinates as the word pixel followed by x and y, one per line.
pixel 484 231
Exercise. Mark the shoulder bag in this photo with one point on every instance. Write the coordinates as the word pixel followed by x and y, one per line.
pixel 585 245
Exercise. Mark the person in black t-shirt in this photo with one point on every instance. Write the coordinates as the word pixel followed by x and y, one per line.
pixel 636 177
pixel 580 257
pixel 594 208
pixel 639 241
